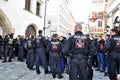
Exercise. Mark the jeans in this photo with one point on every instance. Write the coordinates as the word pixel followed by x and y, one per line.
pixel 106 63
pixel 101 60
pixel 41 56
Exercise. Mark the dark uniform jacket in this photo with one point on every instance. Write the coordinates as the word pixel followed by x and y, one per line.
pixel 1 41
pixel 54 46
pixel 40 42
pixel 112 44
pixel 30 43
pixel 9 42
pixel 78 44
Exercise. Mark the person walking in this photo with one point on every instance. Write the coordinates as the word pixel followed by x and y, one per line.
pixel 79 46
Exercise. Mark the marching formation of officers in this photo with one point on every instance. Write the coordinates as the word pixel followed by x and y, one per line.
pixel 75 53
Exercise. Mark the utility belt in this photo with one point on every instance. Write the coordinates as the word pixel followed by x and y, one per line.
pixel 53 52
pixel 57 52
pixel 9 44
pixel 30 47
pixel 115 52
pixel 78 56
pixel 40 46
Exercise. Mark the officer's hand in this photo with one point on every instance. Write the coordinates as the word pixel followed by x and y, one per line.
pixel 94 53
pixel 106 54
pixel 118 77
pixel 13 49
pixel 70 55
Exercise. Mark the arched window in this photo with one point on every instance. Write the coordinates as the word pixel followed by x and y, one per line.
pixel 30 30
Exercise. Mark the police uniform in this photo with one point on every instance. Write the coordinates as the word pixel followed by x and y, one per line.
pixel 40 44
pixel 55 48
pixel 20 49
pixel 78 45
pixel 90 59
pixel 30 53
pixel 1 47
pixel 113 46
pixel 63 59
pixel 9 45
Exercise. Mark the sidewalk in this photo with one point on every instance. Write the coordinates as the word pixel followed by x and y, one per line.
pixel 18 71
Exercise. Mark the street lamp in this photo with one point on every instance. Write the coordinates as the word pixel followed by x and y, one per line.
pixel 45 16
pixel 48 25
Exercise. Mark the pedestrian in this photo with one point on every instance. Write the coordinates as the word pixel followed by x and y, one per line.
pixel 78 45
pixel 40 44
pixel 106 57
pixel 47 53
pixel 1 47
pixel 100 54
pixel 20 49
pixel 55 48
pixel 113 47
pixel 30 52
pixel 25 46
pixel 68 56
pixel 9 47
pixel 90 56
pixel 62 39
pixel 95 60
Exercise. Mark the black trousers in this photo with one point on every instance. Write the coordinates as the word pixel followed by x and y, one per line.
pixel 78 67
pixel 41 56
pixel 8 52
pixel 30 60
pixel 114 65
pixel 1 51
pixel 90 70
pixel 56 64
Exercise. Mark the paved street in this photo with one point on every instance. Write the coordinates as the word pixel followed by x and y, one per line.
pixel 18 71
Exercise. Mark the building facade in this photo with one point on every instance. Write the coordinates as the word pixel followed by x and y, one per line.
pixel 97 18
pixel 113 14
pixel 21 17
pixel 60 18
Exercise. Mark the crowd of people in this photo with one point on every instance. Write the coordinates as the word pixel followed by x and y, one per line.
pixel 75 54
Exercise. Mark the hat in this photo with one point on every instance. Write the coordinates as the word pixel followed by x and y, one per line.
pixel 55 35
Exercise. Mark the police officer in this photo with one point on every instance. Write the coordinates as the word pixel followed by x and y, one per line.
pixel 112 46
pixel 20 49
pixel 55 48
pixel 90 56
pixel 1 47
pixel 30 52
pixel 78 45
pixel 62 39
pixel 40 44
pixel 9 47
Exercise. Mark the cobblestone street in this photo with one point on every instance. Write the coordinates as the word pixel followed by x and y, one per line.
pixel 18 71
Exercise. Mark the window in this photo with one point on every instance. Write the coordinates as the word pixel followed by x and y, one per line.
pixel 38 9
pixel 27 4
pixel 99 23
pixel 106 0
pixel 6 0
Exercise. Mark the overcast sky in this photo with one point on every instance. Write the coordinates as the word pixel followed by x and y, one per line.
pixel 80 9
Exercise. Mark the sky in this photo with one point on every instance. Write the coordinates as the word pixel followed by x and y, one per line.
pixel 80 9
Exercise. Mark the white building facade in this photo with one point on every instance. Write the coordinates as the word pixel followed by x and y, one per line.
pixel 113 10
pixel 61 19
pixel 21 17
